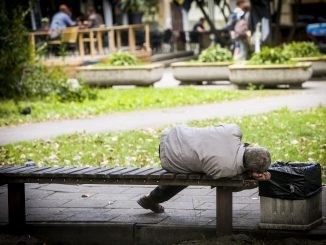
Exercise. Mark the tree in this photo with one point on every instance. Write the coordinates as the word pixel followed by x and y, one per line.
pixel 15 53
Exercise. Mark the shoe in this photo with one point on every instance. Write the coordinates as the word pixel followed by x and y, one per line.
pixel 147 203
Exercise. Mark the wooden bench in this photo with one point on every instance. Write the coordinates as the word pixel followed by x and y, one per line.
pixel 16 177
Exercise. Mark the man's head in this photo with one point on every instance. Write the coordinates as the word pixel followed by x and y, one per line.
pixel 202 20
pixel 243 4
pixel 256 159
pixel 91 11
pixel 64 8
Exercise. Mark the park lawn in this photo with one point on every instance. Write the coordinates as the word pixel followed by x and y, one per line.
pixel 120 100
pixel 289 135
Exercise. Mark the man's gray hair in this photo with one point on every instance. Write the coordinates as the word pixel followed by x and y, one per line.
pixel 256 159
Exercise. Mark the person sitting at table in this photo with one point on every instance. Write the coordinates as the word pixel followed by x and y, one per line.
pixel 94 19
pixel 61 21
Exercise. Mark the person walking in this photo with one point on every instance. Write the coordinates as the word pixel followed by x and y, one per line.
pixel 239 31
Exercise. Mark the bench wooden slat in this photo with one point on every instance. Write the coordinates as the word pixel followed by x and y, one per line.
pixel 4 170
pixel 167 176
pixel 181 176
pixel 157 175
pixel 57 171
pixel 147 173
pixel 111 171
pixel 195 176
pixel 51 169
pixel 15 170
pixel 123 172
pixel 5 167
pixel 84 171
pixel 33 170
pixel 97 171
pixel 7 170
pixel 70 171
pixel 135 172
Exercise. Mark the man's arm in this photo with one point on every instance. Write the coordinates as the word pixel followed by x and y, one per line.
pixel 69 21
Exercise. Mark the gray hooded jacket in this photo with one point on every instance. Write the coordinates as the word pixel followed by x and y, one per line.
pixel 215 151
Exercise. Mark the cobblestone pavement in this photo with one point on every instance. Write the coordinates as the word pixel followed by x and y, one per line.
pixel 193 206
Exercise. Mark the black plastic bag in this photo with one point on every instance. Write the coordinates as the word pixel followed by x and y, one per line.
pixel 292 181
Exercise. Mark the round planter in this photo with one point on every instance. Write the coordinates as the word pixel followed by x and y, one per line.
pixel 270 75
pixel 142 75
pixel 195 72
pixel 318 65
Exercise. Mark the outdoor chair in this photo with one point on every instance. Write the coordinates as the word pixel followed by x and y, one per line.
pixel 68 37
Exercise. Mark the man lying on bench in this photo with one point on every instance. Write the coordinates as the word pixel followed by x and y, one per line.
pixel 215 151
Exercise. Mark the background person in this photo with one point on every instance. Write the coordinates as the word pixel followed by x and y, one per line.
pixel 215 151
pixel 238 26
pixel 61 21
pixel 94 19
pixel 199 26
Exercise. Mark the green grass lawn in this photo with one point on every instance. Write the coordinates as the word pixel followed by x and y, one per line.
pixel 289 135
pixel 119 100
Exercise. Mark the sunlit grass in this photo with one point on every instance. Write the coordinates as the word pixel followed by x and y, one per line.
pixel 119 100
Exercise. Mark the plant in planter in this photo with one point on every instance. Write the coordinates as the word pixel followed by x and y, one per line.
pixel 270 56
pixel 270 67
pixel 215 54
pixel 121 68
pixel 212 65
pixel 121 59
pixel 309 52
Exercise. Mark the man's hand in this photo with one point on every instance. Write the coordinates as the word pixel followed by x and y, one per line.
pixel 261 176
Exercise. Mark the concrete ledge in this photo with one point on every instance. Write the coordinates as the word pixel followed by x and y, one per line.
pixel 270 75
pixel 318 65
pixel 142 75
pixel 196 72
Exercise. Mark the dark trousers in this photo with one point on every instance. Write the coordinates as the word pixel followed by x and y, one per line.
pixel 163 193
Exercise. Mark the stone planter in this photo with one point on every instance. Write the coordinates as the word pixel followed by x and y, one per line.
pixel 318 65
pixel 196 73
pixel 142 75
pixel 270 75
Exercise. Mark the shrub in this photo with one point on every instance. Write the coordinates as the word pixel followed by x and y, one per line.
pixel 73 90
pixel 15 51
pixel 40 81
pixel 122 59
pixel 301 49
pixel 269 56
pixel 215 54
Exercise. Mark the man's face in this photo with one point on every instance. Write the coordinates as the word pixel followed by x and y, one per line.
pixel 261 176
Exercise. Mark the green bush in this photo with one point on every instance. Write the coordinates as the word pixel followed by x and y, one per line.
pixel 122 59
pixel 270 56
pixel 40 81
pixel 74 90
pixel 215 54
pixel 301 49
pixel 15 51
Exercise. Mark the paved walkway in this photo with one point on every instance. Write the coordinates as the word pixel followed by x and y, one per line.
pixel 194 207
pixel 313 95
